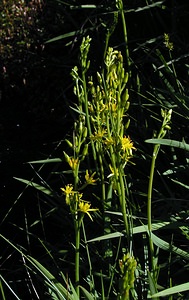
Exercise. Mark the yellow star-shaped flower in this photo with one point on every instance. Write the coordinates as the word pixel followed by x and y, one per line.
pixel 127 145
pixel 89 179
pixel 68 192
pixel 84 207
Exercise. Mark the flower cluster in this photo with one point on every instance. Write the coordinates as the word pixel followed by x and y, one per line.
pixel 127 267
pixel 75 202
pixel 167 42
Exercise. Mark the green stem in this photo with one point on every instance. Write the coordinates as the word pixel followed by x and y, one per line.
pixel 88 256
pixel 100 157
pixel 124 204
pixel 175 74
pixel 77 254
pixel 149 204
pixel 88 119
pixel 125 38
pixel 119 181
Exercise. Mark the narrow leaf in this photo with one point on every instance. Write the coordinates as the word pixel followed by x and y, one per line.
pixel 171 143
pixel 106 237
pixel 137 229
pixel 180 183
pixel 45 161
pixel 168 247
pixel 35 185
pixel 173 290
pixel 86 294
pixel 152 285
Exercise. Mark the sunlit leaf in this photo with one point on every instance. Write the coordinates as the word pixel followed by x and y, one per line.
pixel 173 290
pixel 171 143
pixel 135 230
pixel 45 161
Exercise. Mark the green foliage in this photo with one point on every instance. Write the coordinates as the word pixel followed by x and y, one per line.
pixel 101 192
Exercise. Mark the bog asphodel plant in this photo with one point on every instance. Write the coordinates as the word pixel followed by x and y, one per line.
pixel 72 192
pixel 103 122
pixel 108 106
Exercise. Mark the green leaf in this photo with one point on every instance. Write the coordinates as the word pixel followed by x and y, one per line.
pixel 107 236
pixel 68 34
pixel 144 228
pixel 180 183
pixel 8 286
pixel 56 286
pixel 36 186
pixel 62 36
pixel 86 294
pixel 45 161
pixel 168 247
pixel 152 285
pixel 49 279
pixel 171 143
pixel 137 229
pixel 173 290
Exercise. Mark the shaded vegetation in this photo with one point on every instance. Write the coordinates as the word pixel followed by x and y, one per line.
pixel 94 102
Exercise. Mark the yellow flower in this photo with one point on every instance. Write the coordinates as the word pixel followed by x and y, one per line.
pixel 113 173
pixel 84 207
pixel 89 179
pixel 73 162
pixel 109 141
pixel 114 107
pixel 68 192
pixel 127 145
pixel 98 135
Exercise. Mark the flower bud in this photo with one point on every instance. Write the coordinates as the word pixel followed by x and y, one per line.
pixel 69 143
pixel 127 106
pixel 84 152
pixel 167 127
pixel 99 77
pixel 66 156
pixel 127 124
pixel 125 80
pixel 85 132
pixel 125 96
